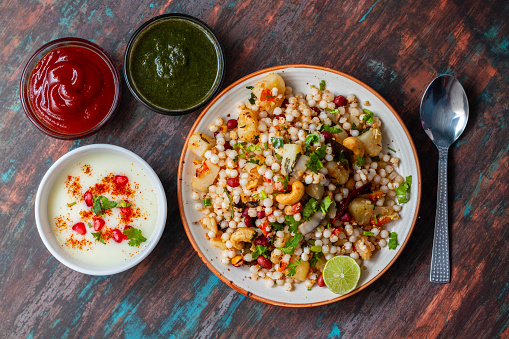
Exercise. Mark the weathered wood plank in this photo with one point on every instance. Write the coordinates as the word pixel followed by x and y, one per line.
pixel 396 47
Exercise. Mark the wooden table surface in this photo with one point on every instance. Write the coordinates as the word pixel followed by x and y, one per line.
pixel 397 47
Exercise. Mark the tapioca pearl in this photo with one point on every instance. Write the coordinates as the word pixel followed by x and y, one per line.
pixel 382 243
pixel 384 234
pixel 327 233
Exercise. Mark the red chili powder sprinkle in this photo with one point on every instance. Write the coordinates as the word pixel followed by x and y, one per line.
pixel 60 223
pixel 86 214
pixel 74 187
pixel 127 214
pixel 87 169
pixel 78 244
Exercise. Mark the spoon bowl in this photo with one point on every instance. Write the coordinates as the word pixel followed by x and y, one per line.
pixel 444 110
pixel 444 116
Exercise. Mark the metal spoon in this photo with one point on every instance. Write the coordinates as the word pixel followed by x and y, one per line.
pixel 444 115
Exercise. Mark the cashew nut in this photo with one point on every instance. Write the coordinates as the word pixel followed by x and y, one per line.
pixel 209 223
pixel 216 241
pixel 240 236
pixel 354 145
pixel 294 196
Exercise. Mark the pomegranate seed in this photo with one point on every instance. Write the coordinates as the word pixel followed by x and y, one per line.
pixel 98 224
pixel 315 109
pixel 264 262
pixel 227 146
pixel 215 134
pixel 117 235
pixel 233 182
pixel 281 116
pixel 80 228
pixel 320 281
pixel 248 221
pixel 285 103
pixel 245 212
pixel 260 214
pixel 89 199
pixel 327 136
pixel 261 240
pixel 340 101
pixel 232 123
pixel 345 217
pixel 121 180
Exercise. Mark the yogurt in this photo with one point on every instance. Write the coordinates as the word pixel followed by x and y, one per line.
pixel 135 202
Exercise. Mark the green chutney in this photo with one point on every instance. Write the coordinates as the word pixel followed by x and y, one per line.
pixel 175 64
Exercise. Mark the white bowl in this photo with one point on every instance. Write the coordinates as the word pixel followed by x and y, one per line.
pixel 41 209
pixel 395 135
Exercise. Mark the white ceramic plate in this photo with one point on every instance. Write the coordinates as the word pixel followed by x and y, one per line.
pixel 395 135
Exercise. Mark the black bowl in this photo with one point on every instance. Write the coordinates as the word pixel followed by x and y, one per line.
pixel 139 35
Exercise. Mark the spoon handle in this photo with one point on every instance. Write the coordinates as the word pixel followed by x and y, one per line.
pixel 440 266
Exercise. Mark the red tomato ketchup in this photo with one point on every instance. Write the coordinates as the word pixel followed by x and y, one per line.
pixel 71 89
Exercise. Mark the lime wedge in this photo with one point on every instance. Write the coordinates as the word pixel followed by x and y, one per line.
pixel 341 274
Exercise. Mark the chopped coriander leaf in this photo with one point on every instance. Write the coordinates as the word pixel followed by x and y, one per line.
pixel 123 203
pixel 294 224
pixel 207 202
pixel 354 127
pixel 322 85
pixel 252 148
pixel 316 257
pixel 376 218
pixel 259 250
pixel 368 117
pixel 368 233
pixel 393 241
pixel 402 189
pixel 291 268
pixel 292 244
pixel 324 206
pixel 314 163
pixel 252 99
pixel 360 161
pixel 98 237
pixel 332 111
pixel 277 142
pixel 134 236
pixel 330 129
pixel 249 87
pixel 89 225
pixel 321 152
pixel 101 204
pixel 316 249
pixel 311 139
pixel 263 195
pixel 71 204
pixel 377 158
pixel 254 161
pixel 278 157
pixel 392 149
pixel 309 288
pixel 277 226
pixel 309 209
pixel 265 146
pixel 231 201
